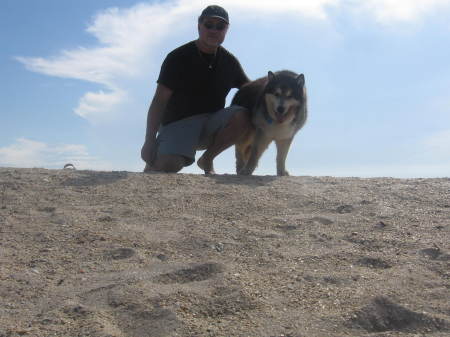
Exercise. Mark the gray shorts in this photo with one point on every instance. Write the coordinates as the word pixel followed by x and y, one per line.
pixel 186 136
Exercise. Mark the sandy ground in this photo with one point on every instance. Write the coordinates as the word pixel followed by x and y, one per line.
pixel 123 254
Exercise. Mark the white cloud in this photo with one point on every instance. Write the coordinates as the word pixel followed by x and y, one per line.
pixel 126 40
pixel 124 36
pixel 30 153
pixel 98 106
pixel 392 11
pixel 306 8
pixel 128 37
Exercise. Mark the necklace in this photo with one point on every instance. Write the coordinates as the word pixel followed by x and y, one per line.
pixel 209 58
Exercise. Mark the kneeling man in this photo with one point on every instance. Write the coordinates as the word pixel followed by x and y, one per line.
pixel 187 111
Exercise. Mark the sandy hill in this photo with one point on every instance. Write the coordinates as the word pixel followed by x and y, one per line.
pixel 119 254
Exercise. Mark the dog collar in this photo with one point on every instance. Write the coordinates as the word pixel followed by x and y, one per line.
pixel 267 117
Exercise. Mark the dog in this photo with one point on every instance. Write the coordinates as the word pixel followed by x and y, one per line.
pixel 278 107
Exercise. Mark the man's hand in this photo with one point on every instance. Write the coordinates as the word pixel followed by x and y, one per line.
pixel 148 151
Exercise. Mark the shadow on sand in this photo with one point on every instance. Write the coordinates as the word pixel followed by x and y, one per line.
pixel 234 179
pixel 93 178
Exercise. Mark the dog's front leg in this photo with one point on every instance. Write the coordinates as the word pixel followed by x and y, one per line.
pixel 260 144
pixel 283 146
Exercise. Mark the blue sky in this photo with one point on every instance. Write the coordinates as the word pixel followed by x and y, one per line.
pixel 78 76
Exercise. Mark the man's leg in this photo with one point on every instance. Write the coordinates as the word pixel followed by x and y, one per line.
pixel 237 126
pixel 176 144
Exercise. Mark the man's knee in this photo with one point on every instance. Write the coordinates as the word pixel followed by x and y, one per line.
pixel 169 163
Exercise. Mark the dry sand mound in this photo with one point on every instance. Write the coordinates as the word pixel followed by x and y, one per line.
pixel 122 254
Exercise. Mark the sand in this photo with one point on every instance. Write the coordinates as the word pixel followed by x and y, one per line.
pixel 121 254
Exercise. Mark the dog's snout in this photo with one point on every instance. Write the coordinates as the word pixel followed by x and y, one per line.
pixel 280 109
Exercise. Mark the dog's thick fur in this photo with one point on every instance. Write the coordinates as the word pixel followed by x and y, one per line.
pixel 278 107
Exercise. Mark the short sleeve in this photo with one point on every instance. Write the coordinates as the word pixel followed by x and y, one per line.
pixel 170 74
pixel 241 78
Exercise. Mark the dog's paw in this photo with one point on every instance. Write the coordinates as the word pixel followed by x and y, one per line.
pixel 245 172
pixel 283 173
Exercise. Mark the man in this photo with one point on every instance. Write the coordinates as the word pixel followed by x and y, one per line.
pixel 187 111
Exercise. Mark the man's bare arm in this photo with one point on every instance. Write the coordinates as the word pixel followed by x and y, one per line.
pixel 154 117
pixel 156 110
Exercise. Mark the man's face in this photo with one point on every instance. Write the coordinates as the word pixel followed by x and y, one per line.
pixel 212 31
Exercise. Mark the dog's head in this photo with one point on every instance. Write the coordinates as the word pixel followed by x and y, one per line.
pixel 284 95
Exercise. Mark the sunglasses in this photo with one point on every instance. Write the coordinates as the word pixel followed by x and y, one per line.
pixel 218 26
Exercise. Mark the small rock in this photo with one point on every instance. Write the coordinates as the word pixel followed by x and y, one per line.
pixel 162 257
pixel 381 224
pixel 105 218
pixel 46 321
pixel 345 209
pixel 218 247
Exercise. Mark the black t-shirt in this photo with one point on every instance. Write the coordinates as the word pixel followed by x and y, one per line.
pixel 200 82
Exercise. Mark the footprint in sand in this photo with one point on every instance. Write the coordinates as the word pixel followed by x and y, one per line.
pixel 197 273
pixel 382 315
pixel 120 253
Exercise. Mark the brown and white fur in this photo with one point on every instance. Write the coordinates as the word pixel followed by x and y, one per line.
pixel 278 107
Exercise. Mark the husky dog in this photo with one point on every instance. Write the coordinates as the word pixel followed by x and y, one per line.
pixel 277 104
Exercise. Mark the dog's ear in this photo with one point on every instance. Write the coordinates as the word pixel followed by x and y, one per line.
pixel 270 75
pixel 301 80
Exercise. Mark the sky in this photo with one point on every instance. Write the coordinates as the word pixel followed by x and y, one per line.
pixel 78 77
